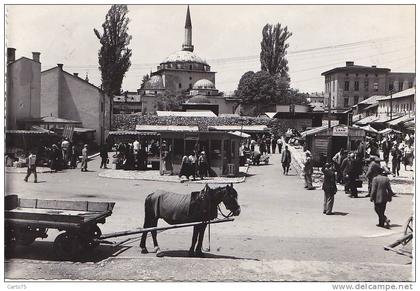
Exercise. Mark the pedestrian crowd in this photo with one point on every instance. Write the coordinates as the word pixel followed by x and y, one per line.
pixel 134 155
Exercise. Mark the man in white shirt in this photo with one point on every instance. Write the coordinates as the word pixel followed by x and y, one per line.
pixel 31 162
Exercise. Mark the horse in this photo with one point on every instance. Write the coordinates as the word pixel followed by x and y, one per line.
pixel 177 208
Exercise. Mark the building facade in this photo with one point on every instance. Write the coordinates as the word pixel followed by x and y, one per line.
pixel 23 89
pixel 401 103
pixel 347 86
pixel 68 96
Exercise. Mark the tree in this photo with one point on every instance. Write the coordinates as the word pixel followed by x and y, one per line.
pixel 114 54
pixel 144 80
pixel 169 101
pixel 274 49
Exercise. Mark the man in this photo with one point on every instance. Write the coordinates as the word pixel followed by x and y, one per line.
pixel 31 162
pixel 103 152
pixel 349 169
pixel 386 148
pixel 65 147
pixel 396 160
pixel 286 159
pixel 338 159
pixel 273 144
pixel 308 170
pixel 381 193
pixel 279 144
pixel 84 158
pixel 374 170
pixel 330 188
pixel 203 166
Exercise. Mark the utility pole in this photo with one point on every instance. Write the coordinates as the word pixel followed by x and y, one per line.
pixel 329 110
pixel 390 103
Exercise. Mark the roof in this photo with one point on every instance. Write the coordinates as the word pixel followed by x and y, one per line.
pixel 157 128
pixel 198 99
pixel 202 113
pixel 402 119
pixel 203 84
pixel 155 82
pixel 370 106
pixel 53 119
pixel 240 134
pixel 355 68
pixel 372 99
pixel 30 132
pixel 367 119
pixel 130 132
pixel 368 128
pixel 184 57
pixel 188 18
pixel 244 128
pixel 314 130
pixel 21 59
pixel 229 115
pixel 83 130
pixel 401 94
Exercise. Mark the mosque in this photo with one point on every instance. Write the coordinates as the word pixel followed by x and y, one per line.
pixel 184 72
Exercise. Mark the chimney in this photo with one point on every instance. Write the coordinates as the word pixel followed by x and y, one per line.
pixel 35 56
pixel 349 64
pixel 373 66
pixel 10 55
pixel 60 66
pixel 76 74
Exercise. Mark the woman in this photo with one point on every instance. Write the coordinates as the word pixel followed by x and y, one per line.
pixel 408 157
pixel 330 188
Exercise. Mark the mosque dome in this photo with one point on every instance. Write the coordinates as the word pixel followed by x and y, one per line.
pixel 184 57
pixel 198 99
pixel 203 84
pixel 155 82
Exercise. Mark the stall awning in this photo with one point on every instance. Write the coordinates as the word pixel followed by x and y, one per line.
pixel 31 132
pixel 367 119
pixel 389 130
pixel 314 130
pixel 368 128
pixel 245 128
pixel 131 132
pixel 198 113
pixel 83 130
pixel 240 134
pixel 401 119
pixel 167 128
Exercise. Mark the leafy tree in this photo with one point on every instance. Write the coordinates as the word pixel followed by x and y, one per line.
pixel 169 101
pixel 144 80
pixel 274 49
pixel 114 54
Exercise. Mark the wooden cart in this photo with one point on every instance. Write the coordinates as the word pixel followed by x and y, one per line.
pixel 29 219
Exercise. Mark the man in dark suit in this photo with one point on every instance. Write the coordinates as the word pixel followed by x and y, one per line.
pixel 286 159
pixel 374 170
pixel 381 193
pixel 350 172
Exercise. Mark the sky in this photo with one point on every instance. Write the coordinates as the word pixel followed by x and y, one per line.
pixel 227 36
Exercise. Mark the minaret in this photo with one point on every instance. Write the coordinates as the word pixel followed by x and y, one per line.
pixel 187 45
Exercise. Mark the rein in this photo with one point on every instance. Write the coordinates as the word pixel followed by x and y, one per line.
pixel 224 215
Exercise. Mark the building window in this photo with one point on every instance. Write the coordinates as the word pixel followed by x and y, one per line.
pixel 356 85
pixel 346 101
pixel 375 86
pixel 410 84
pixel 356 100
pixel 347 74
pixel 190 78
pixel 346 85
pixel 179 86
pixel 190 67
pixel 390 87
pixel 333 86
pixel 190 86
pixel 400 86
pixel 366 85
pixel 366 75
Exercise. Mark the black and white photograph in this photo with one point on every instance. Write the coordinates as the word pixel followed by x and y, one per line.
pixel 198 142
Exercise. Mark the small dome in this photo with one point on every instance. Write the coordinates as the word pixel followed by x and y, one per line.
pixel 184 56
pixel 198 99
pixel 203 84
pixel 155 82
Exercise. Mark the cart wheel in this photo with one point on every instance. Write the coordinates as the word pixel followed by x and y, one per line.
pixel 408 228
pixel 68 246
pixel 89 237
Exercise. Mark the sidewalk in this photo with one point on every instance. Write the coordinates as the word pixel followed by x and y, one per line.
pixel 154 175
pixel 403 185
pixel 23 170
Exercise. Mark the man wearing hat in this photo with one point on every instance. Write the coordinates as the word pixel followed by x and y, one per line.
pixel 380 194
pixel 84 158
pixel 308 170
pixel 349 169
pixel 374 170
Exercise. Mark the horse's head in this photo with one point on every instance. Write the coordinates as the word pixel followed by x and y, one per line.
pixel 230 200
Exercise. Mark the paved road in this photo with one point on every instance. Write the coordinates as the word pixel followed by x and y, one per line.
pixel 280 235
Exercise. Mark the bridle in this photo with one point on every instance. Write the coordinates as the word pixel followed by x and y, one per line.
pixel 221 212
